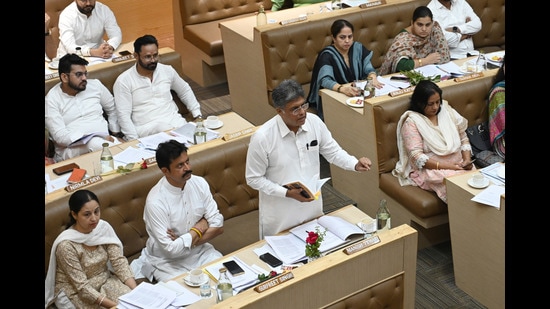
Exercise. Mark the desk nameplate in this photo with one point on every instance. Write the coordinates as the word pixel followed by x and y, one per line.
pixel 372 3
pixel 363 244
pixel 83 183
pixel 268 284
pixel 468 77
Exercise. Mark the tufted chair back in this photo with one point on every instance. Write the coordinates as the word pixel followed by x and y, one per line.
pixel 54 8
pixel 491 37
pixel 200 11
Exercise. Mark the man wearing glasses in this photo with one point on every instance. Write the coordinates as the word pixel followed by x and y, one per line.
pixel 74 109
pixel 143 95
pixel 83 24
pixel 286 149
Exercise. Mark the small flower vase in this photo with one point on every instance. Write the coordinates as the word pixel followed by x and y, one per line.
pixel 312 258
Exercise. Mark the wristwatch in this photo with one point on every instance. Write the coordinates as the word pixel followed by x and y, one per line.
pixel 455 29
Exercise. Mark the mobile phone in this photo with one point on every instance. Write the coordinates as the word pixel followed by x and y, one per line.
pixel 77 175
pixel 396 77
pixel 67 168
pixel 271 259
pixel 233 268
pixel 124 53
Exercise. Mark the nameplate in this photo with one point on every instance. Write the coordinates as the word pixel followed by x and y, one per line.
pixel 123 58
pixel 83 183
pixel 401 91
pixel 151 160
pixel 271 283
pixel 292 20
pixel 230 136
pixel 52 76
pixel 372 3
pixel 363 244
pixel 468 77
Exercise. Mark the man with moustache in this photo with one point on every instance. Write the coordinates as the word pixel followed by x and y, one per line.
pixel 83 24
pixel 144 102
pixel 74 108
pixel 180 216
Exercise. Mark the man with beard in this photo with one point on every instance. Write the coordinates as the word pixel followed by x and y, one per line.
pixel 144 102
pixel 74 109
pixel 180 216
pixel 285 149
pixel 83 24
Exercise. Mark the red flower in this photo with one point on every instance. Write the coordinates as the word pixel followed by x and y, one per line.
pixel 143 164
pixel 312 237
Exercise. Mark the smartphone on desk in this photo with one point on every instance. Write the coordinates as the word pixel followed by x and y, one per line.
pixel 271 260
pixel 233 268
pixel 124 53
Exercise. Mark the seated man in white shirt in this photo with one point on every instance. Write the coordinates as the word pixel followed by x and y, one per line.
pixel 75 107
pixel 459 22
pixel 144 102
pixel 83 24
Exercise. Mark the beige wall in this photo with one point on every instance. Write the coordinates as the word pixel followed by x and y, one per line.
pixel 139 17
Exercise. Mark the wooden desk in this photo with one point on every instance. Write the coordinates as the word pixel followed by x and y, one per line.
pixel 354 130
pixel 333 277
pixel 233 122
pixel 478 242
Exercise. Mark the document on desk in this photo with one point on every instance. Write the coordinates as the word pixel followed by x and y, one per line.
pixel 390 86
pixel 490 196
pixel 240 282
pixel 152 141
pixel 444 70
pixel 133 155
pixel 187 131
pixel 147 295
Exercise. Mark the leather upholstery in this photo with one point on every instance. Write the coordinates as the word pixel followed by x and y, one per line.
pixel 200 20
pixel 122 201
pixel 54 8
pixel 108 76
pixel 468 98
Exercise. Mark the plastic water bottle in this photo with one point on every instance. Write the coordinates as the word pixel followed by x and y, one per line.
pixel 481 62
pixel 261 18
pixel 369 88
pixel 224 288
pixel 383 217
pixel 79 51
pixel 106 159
pixel 199 136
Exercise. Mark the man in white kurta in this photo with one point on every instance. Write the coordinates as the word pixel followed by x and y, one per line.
pixel 84 25
pixel 459 22
pixel 144 102
pixel 180 217
pixel 74 108
pixel 286 149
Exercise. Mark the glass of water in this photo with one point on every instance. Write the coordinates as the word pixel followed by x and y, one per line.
pixel 206 290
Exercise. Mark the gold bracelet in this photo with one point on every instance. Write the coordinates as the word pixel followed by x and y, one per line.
pixel 102 298
pixel 196 231
pixel 419 62
pixel 437 165
pixel 338 90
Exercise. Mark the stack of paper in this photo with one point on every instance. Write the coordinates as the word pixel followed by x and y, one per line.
pixel 240 282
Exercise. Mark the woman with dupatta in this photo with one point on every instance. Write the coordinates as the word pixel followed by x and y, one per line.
pixel 421 43
pixel 497 112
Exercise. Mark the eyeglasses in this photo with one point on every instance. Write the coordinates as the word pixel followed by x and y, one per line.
pixel 151 57
pixel 79 74
pixel 295 111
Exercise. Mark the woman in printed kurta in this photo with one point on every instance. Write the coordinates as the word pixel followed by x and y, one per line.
pixel 87 264
pixel 497 114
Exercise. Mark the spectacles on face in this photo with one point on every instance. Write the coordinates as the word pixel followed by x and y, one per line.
pixel 295 111
pixel 151 57
pixel 79 74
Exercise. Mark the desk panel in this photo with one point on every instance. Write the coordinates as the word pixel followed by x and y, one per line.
pixel 478 242
pixel 335 276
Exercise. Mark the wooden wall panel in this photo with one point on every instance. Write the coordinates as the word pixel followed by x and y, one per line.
pixel 140 17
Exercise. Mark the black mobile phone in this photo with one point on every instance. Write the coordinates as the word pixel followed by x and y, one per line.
pixel 124 53
pixel 233 268
pixel 403 78
pixel 270 259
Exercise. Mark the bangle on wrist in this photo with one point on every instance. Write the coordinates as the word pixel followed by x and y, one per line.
pixel 197 231
pixel 338 90
pixel 102 298
pixel 437 165
pixel 419 62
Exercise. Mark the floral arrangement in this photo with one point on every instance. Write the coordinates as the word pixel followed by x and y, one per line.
pixel 263 277
pixel 415 76
pixel 313 242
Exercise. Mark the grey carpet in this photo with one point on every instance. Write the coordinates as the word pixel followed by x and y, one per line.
pixel 435 286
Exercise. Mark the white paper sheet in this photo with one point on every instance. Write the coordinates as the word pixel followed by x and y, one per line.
pixel 490 196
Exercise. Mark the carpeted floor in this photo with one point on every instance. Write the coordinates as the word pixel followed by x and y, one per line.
pixel 435 286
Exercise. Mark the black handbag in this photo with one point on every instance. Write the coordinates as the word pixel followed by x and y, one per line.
pixel 479 137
